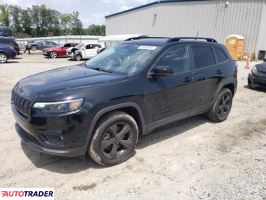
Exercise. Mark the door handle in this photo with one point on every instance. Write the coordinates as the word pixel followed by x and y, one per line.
pixel 219 71
pixel 188 79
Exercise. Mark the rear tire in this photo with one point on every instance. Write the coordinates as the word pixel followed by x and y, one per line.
pixel 114 139
pixel 3 58
pixel 222 106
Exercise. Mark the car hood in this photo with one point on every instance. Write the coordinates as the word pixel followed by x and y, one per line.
pixel 64 79
pixel 261 67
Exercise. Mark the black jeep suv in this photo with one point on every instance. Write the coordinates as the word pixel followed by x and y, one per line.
pixel 102 106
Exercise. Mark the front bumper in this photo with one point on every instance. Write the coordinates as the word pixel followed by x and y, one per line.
pixel 257 81
pixel 44 134
pixel 33 144
pixel 70 55
pixel 45 53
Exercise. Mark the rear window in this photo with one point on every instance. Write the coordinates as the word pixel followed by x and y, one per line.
pixel 220 55
pixel 203 56
pixel 5 40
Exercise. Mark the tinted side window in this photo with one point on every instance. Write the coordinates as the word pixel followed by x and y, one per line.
pixel 175 58
pixel 203 56
pixel 89 46
pixel 220 55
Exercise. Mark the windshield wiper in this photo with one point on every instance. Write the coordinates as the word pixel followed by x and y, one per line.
pixel 101 69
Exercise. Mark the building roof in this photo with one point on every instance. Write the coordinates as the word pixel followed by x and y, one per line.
pixel 150 4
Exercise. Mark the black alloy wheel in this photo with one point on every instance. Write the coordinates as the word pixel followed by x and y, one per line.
pixel 114 139
pixel 222 106
pixel 117 140
pixel 225 105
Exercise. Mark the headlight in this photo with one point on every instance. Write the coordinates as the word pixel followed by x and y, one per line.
pixel 254 70
pixel 59 107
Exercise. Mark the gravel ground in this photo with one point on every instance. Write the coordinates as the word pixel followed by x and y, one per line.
pixel 191 159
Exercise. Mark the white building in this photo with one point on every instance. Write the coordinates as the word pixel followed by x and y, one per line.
pixel 208 18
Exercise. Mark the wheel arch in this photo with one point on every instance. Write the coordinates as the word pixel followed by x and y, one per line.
pixel 230 83
pixel 4 53
pixel 130 108
pixel 230 86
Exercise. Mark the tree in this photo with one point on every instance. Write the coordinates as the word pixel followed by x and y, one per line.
pixel 4 17
pixel 65 23
pixel 43 21
pixel 96 30
pixel 26 21
pixel 76 24
pixel 35 15
pixel 54 25
pixel 15 13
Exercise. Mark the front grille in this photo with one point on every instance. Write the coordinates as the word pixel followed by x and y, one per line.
pixel 21 104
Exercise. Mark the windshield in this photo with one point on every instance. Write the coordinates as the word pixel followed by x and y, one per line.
pixel 124 58
pixel 79 45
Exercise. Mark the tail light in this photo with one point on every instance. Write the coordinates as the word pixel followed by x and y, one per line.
pixel 12 47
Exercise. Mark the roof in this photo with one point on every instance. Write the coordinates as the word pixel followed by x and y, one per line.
pixel 161 41
pixel 150 4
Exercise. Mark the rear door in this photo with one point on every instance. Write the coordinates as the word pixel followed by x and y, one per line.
pixel 207 75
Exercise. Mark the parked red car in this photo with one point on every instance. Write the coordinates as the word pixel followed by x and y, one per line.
pixel 59 51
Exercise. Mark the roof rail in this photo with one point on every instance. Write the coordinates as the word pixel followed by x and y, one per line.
pixel 191 38
pixel 145 37
pixel 137 38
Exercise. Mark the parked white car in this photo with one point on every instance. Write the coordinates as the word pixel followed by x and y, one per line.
pixel 84 51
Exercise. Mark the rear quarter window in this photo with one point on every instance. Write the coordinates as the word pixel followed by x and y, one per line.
pixel 203 56
pixel 220 55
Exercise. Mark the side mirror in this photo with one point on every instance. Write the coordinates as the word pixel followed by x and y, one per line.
pixel 161 71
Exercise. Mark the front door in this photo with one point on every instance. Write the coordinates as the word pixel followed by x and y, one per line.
pixel 89 51
pixel 171 95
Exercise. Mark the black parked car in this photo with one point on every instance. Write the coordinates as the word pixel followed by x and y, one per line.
pixel 101 107
pixel 10 41
pixel 40 45
pixel 257 76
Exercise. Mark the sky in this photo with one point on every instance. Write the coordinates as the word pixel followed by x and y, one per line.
pixel 91 11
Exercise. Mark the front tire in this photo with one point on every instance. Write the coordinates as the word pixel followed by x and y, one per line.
pixel 222 106
pixel 114 139
pixel 3 58
pixel 78 57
